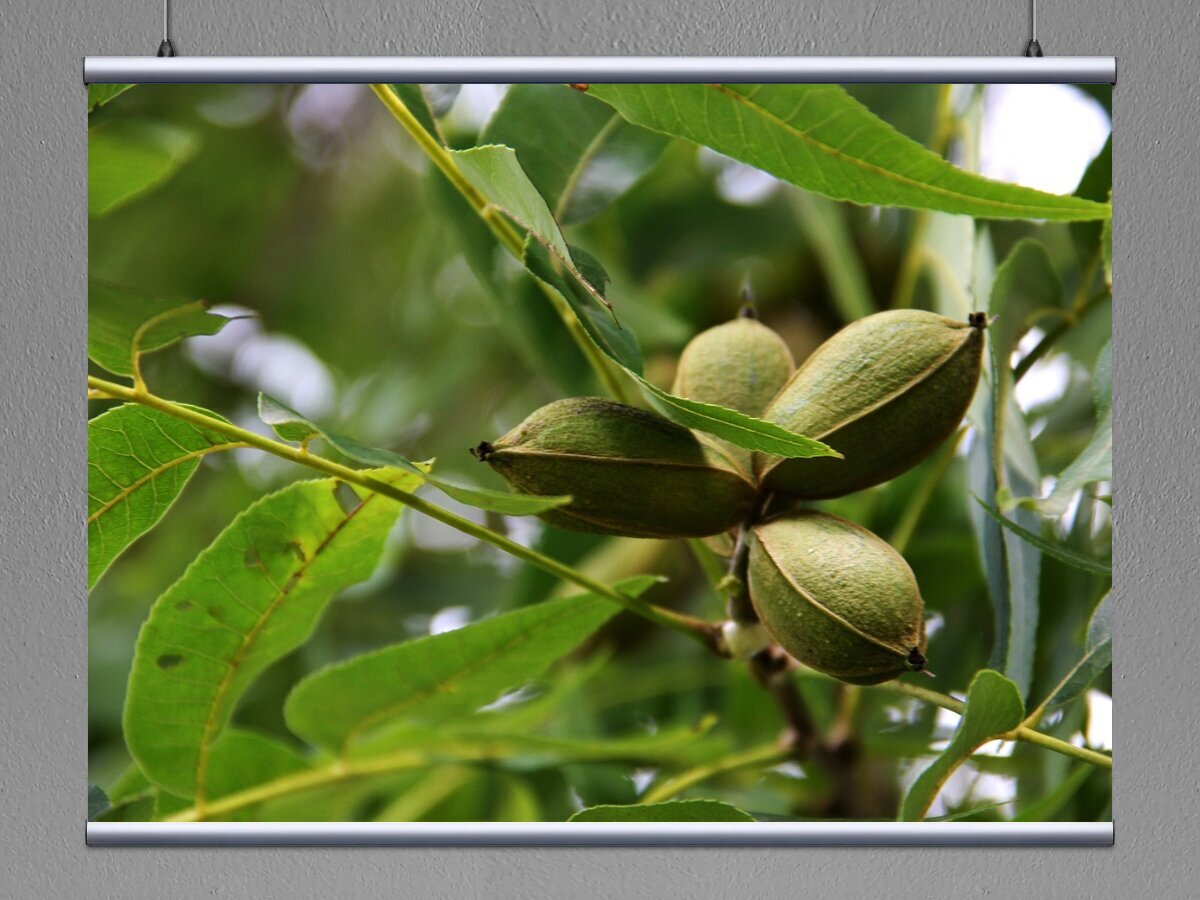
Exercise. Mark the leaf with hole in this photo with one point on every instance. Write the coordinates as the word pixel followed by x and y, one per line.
pixel 819 138
pixel 254 595
pixel 291 426
pixel 446 675
pixel 993 708
pixel 139 461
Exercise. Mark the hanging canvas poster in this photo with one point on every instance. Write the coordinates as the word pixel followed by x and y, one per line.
pixel 552 455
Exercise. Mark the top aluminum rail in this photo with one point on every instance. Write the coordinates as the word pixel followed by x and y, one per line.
pixel 599 69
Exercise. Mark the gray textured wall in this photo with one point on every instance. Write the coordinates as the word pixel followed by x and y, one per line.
pixel 42 292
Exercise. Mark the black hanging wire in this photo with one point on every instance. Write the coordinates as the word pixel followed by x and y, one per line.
pixel 166 48
pixel 1033 48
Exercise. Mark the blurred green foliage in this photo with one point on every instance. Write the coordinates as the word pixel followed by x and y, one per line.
pixel 307 208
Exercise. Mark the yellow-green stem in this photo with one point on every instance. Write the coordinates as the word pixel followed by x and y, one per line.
pixel 505 232
pixel 345 770
pixel 704 632
pixel 764 755
pixel 1020 733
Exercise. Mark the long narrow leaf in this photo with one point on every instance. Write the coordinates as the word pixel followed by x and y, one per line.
pixel 446 675
pixel 1062 554
pixel 818 137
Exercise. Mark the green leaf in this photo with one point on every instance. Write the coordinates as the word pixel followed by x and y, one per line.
pixel 1062 554
pixel 97 801
pixel 818 137
pixel 126 159
pixel 99 94
pixel 495 172
pixel 616 342
pixel 123 323
pixel 677 746
pixel 1096 658
pixel 254 595
pixel 1094 462
pixel 668 811
pixel 993 708
pixel 735 427
pixel 1001 459
pixel 533 327
pixel 291 426
pixel 445 675
pixel 579 153
pixel 139 461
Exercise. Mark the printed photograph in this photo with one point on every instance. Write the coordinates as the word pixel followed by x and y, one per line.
pixel 585 453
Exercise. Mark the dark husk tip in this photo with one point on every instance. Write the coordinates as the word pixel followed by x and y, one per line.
pixel 978 320
pixel 483 451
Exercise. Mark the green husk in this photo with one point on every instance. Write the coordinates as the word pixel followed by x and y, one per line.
pixel 740 364
pixel 836 597
pixel 629 472
pixel 884 391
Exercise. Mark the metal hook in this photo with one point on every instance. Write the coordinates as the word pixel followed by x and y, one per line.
pixel 1033 48
pixel 166 48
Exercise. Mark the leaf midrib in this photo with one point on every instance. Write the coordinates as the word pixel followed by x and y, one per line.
pixel 151 474
pixel 211 723
pixel 442 686
pixel 888 174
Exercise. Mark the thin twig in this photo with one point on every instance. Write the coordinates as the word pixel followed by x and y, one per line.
pixel 706 633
